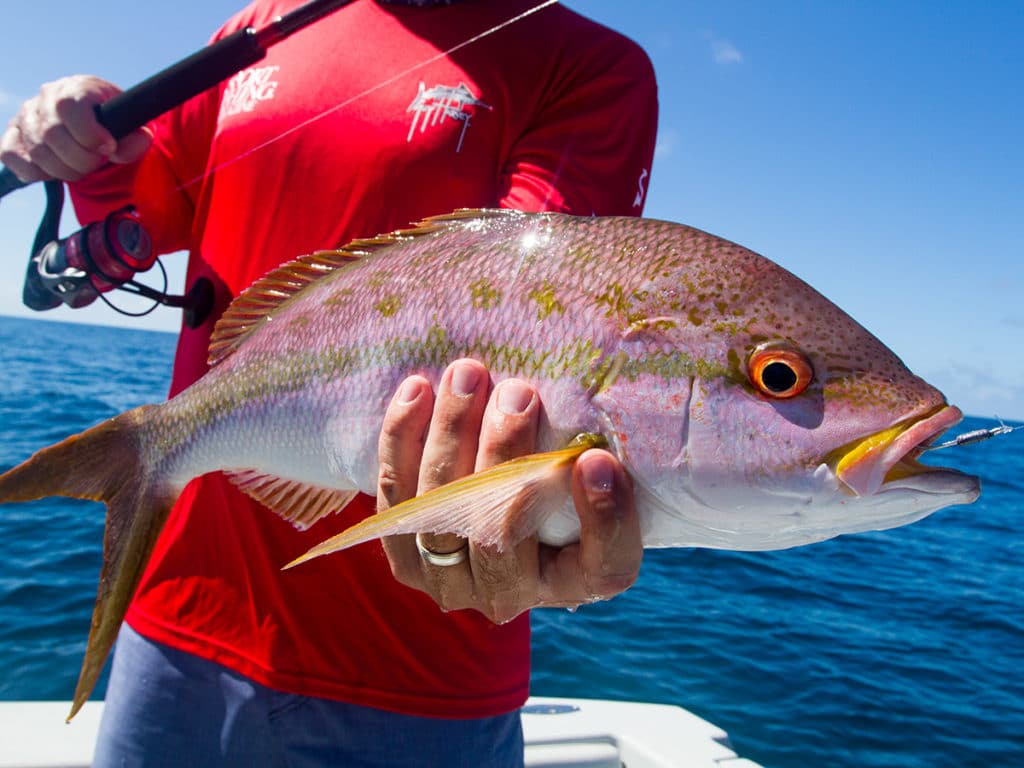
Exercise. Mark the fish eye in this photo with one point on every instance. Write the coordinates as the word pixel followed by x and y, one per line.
pixel 779 371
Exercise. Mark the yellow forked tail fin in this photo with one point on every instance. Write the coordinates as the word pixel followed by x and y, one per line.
pixel 102 464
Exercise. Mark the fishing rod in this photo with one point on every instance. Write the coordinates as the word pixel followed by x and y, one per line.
pixel 106 255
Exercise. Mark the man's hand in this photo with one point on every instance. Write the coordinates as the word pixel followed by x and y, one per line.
pixel 55 135
pixel 426 443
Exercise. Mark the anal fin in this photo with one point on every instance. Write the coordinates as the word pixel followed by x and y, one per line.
pixel 299 503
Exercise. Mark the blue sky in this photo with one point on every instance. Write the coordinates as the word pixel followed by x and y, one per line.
pixel 873 148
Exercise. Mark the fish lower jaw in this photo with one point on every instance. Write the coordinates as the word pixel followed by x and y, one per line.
pixel 909 475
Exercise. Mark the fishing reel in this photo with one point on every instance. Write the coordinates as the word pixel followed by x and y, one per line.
pixel 104 256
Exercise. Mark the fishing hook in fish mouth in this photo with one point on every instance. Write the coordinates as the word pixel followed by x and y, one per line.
pixel 975 436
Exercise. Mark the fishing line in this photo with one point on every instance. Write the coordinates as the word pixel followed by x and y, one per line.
pixel 383 84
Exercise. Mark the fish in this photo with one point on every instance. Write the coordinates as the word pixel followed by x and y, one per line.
pixel 750 412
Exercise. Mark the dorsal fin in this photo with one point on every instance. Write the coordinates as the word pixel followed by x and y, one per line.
pixel 251 307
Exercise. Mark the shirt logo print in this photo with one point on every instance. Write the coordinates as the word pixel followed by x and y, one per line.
pixel 443 102
pixel 247 89
pixel 641 190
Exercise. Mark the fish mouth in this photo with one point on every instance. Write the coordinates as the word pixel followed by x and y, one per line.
pixel 888 459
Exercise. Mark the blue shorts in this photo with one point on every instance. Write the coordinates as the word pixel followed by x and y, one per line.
pixel 165 707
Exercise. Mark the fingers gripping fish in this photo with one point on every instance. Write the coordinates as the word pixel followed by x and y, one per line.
pixel 750 412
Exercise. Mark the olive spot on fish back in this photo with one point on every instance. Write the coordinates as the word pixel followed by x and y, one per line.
pixel 484 294
pixel 388 305
pixel 614 298
pixel 379 278
pixel 546 300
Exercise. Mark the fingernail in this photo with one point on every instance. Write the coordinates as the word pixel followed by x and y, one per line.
pixel 408 392
pixel 598 476
pixel 465 379
pixel 514 397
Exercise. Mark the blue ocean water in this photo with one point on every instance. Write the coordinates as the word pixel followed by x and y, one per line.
pixel 898 648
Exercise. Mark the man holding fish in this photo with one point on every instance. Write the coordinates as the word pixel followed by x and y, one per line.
pixel 225 659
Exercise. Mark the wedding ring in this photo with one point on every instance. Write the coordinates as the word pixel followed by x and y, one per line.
pixel 442 559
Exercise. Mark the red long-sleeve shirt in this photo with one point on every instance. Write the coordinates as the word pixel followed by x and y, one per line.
pixel 372 118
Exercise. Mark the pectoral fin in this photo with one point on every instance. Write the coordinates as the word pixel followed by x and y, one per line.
pixel 497 507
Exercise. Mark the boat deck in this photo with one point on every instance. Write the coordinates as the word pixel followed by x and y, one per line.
pixel 560 733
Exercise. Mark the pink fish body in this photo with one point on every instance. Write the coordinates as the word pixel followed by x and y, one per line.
pixel 750 411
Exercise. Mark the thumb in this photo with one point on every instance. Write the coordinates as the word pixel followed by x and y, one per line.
pixel 611 542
